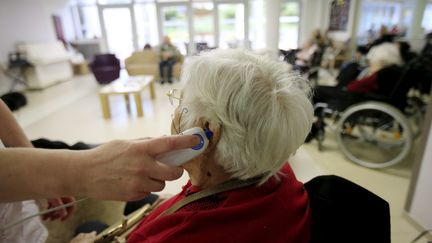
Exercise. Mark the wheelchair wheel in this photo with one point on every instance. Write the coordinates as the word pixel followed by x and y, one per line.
pixel 374 134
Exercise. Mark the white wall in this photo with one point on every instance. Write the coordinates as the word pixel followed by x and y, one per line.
pixel 315 14
pixel 29 21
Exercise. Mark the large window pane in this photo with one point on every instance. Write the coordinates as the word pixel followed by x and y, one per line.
pixel 89 20
pixel 118 28
pixel 114 1
pixel 289 25
pixel 203 23
pixel 257 24
pixel 377 14
pixel 146 23
pixel 174 25
pixel 427 19
pixel 231 24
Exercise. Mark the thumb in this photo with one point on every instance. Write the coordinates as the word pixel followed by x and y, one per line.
pixel 154 147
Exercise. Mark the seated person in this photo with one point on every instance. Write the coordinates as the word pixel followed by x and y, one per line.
pixel 168 57
pixel 259 114
pixel 378 78
pixel 382 72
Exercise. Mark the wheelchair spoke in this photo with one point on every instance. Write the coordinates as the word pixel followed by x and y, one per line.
pixel 374 135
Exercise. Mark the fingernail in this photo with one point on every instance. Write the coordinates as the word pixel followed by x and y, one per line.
pixel 196 140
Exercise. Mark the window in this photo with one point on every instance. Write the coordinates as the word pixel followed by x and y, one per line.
pixel 231 24
pixel 257 23
pixel 427 19
pixel 146 24
pixel 289 25
pixel 203 22
pixel 114 1
pixel 89 22
pixel 174 25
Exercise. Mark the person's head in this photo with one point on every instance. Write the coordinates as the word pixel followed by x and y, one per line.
pixel 361 51
pixel 384 55
pixel 147 46
pixel 167 40
pixel 256 107
pixel 317 34
pixel 383 30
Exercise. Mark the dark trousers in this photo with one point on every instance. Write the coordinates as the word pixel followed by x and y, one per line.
pixel 169 64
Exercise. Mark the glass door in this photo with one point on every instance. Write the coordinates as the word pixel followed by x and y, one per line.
pixel 203 23
pixel 231 24
pixel 289 25
pixel 117 24
pixel 174 23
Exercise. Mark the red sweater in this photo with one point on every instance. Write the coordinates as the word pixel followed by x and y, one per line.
pixel 277 211
pixel 364 85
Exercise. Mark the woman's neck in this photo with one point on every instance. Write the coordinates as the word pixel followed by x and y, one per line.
pixel 205 173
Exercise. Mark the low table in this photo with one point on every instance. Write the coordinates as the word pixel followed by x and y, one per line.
pixel 132 85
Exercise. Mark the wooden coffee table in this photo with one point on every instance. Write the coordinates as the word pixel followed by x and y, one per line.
pixel 132 85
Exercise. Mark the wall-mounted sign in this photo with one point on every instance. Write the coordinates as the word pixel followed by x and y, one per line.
pixel 339 14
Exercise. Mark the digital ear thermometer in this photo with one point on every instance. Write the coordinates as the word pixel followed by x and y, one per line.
pixel 178 157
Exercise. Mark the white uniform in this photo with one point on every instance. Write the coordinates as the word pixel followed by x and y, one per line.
pixel 31 230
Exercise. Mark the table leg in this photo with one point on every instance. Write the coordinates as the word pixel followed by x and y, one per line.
pixel 126 97
pixel 152 90
pixel 138 103
pixel 105 106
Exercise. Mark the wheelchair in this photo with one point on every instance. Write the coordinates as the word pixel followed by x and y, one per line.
pixel 377 131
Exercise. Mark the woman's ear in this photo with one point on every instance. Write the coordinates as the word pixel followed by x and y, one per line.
pixel 214 129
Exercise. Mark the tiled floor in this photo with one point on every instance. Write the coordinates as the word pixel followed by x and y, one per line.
pixel 71 112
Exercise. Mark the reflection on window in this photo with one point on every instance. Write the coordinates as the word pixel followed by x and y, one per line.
pixel 146 24
pixel 203 23
pixel 289 25
pixel 257 24
pixel 174 25
pixel 231 25
pixel 89 22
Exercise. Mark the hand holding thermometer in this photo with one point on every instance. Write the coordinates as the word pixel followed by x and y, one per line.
pixel 178 157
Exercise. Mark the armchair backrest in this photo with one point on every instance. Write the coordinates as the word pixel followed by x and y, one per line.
pixel 343 211
pixel 145 56
pixel 44 52
pixel 105 60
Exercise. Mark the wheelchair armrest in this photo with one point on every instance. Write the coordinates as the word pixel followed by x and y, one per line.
pixel 376 97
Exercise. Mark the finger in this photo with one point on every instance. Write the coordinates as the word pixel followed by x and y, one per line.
pixel 160 145
pixel 163 172
pixel 70 209
pixel 52 203
pixel 60 213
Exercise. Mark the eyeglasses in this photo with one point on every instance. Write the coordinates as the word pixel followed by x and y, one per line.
pixel 174 97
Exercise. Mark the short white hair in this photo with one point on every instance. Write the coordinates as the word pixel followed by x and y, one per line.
pixel 262 106
pixel 386 54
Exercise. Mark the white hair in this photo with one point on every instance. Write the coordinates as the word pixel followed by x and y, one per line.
pixel 386 54
pixel 263 108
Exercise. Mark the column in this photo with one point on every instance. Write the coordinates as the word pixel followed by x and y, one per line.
pixel 415 31
pixel 272 23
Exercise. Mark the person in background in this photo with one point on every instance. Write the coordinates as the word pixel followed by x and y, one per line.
pixel 169 55
pixel 147 46
pixel 378 78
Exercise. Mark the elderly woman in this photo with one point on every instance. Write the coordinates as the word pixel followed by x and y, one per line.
pixel 379 78
pixel 259 114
